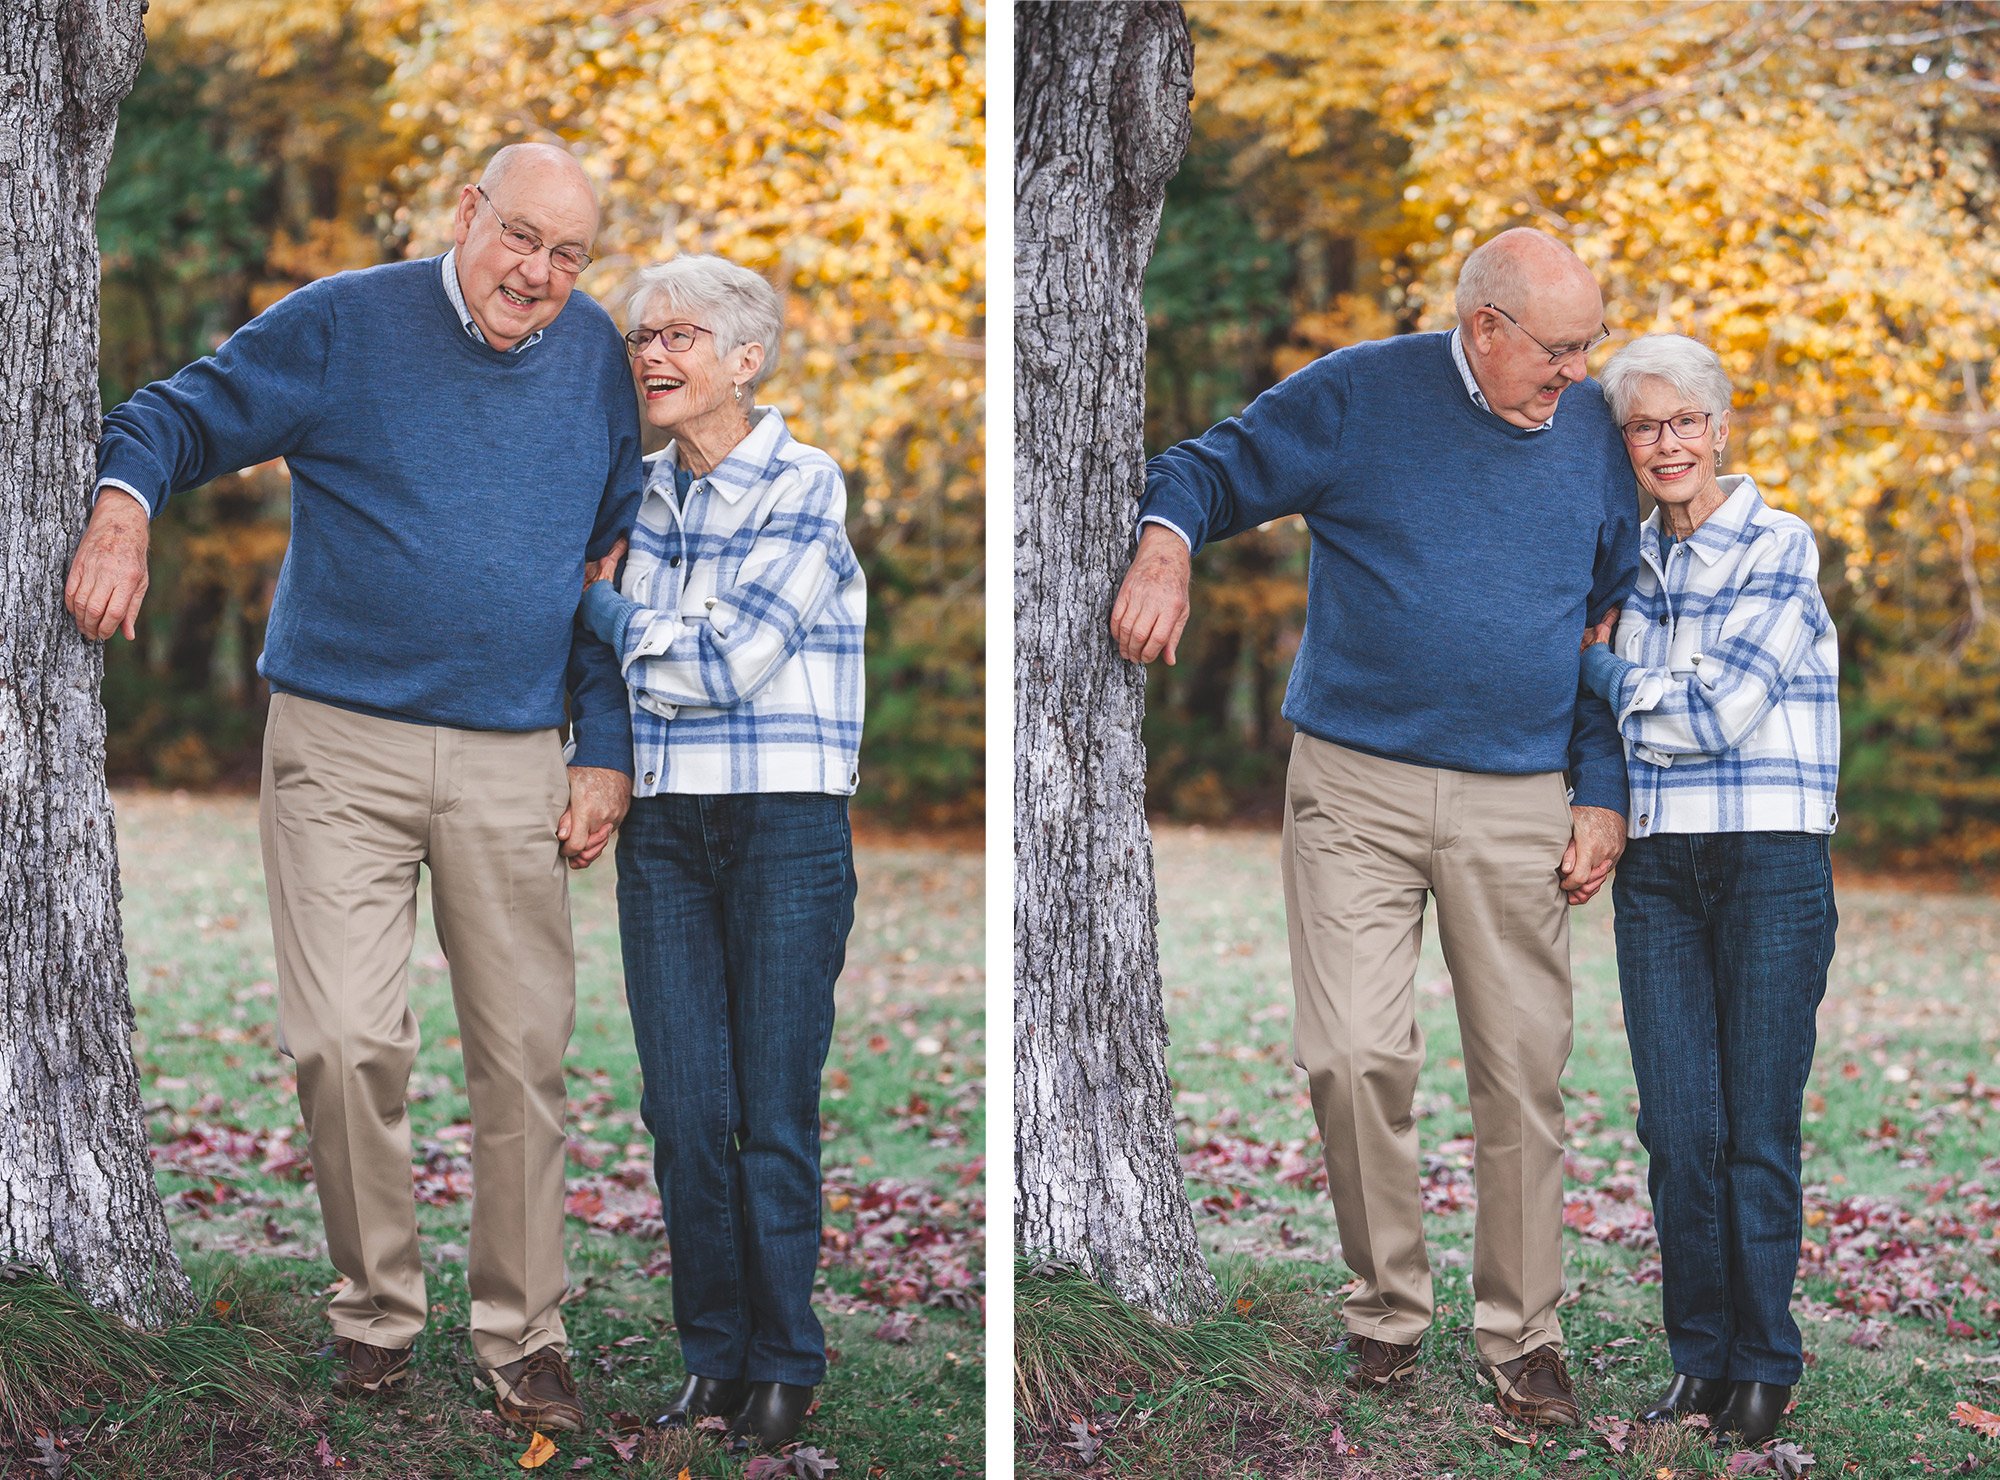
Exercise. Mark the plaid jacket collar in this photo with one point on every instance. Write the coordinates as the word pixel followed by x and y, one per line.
pixel 748 463
pixel 1716 535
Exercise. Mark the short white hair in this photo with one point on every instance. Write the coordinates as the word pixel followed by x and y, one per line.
pixel 1687 365
pixel 733 303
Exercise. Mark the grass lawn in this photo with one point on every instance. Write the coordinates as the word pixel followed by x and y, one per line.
pixel 1898 1301
pixel 902 1277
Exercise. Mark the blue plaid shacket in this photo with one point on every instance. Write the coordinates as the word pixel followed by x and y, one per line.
pixel 739 624
pixel 1728 696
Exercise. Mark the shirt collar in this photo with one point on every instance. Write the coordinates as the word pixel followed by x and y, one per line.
pixel 457 296
pixel 1716 534
pixel 747 461
pixel 1472 384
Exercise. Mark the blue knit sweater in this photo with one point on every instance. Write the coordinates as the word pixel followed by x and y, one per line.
pixel 444 498
pixel 1454 558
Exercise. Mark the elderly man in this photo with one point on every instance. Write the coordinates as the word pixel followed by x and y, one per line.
pixel 1463 535
pixel 462 437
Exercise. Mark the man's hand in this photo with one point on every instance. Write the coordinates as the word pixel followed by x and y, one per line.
pixel 1596 838
pixel 107 579
pixel 1152 604
pixel 598 800
pixel 606 566
pixel 1603 630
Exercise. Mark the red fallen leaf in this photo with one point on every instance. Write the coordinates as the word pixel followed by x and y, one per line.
pixel 1615 1432
pixel 767 1467
pixel 585 1203
pixel 1955 1327
pixel 323 1452
pixel 1979 1420
pixel 624 1448
pixel 898 1329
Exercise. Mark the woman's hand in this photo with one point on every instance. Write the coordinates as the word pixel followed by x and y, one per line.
pixel 605 568
pixel 1602 631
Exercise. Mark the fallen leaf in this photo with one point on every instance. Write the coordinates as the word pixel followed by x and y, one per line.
pixel 1513 1438
pixel 51 1458
pixel 222 1307
pixel 809 1464
pixel 1979 1420
pixel 1083 1439
pixel 323 1452
pixel 1243 1304
pixel 541 1449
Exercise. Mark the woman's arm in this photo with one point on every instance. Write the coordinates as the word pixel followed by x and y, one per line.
pixel 1775 615
pixel 797 562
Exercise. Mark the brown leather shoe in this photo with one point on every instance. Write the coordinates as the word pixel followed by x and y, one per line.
pixel 1536 1388
pixel 537 1392
pixel 369 1370
pixel 1379 1363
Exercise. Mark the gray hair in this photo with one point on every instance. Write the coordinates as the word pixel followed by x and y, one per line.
pixel 732 302
pixel 1687 365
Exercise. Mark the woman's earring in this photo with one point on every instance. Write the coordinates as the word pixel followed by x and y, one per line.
pixel 737 391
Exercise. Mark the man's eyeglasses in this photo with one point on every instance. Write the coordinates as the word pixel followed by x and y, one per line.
pixel 1686 426
pixel 676 337
pixel 1558 353
pixel 571 260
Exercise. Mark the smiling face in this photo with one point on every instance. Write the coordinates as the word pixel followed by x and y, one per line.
pixel 683 389
pixel 1679 469
pixel 509 295
pixel 1514 372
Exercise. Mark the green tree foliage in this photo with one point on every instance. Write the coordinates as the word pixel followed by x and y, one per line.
pixel 1809 189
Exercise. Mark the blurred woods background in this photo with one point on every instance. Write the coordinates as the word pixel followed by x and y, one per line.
pixel 1809 189
pixel 836 147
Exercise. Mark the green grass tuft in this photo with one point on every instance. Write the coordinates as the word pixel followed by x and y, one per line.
pixel 1078 1348
pixel 59 1355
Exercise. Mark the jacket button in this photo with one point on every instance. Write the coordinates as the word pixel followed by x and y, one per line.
pixel 1643 818
pixel 649 778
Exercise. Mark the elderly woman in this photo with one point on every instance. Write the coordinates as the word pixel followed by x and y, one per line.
pixel 1722 677
pixel 738 623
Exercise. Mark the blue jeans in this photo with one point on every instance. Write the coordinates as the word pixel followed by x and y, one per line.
pixel 1723 945
pixel 734 913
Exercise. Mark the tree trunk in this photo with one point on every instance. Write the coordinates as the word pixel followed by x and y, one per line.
pixel 76 1178
pixel 1101 123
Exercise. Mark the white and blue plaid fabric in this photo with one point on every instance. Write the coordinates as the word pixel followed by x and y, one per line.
pixel 744 656
pixel 1731 714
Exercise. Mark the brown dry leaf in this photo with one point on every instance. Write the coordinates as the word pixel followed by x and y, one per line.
pixel 1978 1419
pixel 541 1449
pixel 1513 1438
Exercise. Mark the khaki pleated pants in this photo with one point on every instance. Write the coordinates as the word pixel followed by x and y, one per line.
pixel 351 805
pixel 1365 840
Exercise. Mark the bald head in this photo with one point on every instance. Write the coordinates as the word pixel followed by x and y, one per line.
pixel 1528 311
pixel 1518 266
pixel 544 170
pixel 532 200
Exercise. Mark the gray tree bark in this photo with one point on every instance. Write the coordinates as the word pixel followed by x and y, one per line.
pixel 77 1197
pixel 1100 125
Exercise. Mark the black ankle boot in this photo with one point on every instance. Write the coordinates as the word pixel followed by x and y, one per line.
pixel 1685 1395
pixel 702 1397
pixel 1751 1415
pixel 770 1417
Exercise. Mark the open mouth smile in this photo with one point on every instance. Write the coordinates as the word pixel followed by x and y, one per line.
pixel 519 300
pixel 660 385
pixel 1668 472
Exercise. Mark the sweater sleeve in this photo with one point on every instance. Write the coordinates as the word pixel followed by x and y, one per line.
pixel 1273 460
pixel 1596 753
pixel 600 712
pixel 254 399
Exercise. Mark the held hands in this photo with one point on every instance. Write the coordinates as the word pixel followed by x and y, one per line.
pixel 107 578
pixel 598 800
pixel 1596 839
pixel 1152 605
